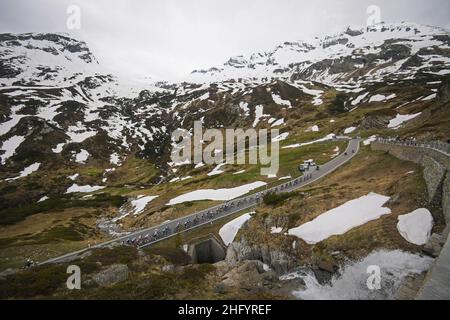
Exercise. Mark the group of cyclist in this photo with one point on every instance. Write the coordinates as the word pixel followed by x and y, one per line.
pixel 148 237
pixel 200 218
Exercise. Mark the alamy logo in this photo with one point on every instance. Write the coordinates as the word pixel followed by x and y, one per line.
pixel 262 149
pixel 374 13
pixel 374 280
pixel 74 280
pixel 74 19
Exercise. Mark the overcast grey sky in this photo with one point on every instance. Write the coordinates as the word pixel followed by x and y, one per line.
pixel 170 38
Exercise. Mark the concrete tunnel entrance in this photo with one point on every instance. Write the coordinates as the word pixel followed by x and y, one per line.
pixel 209 250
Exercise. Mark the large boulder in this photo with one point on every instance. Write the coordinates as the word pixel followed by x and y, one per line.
pixel 434 245
pixel 250 276
pixel 375 122
pixel 278 260
pixel 113 274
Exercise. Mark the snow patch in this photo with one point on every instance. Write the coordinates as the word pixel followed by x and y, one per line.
pixel 59 148
pixel 199 165
pixel 216 170
pixel 278 123
pixel 259 113
pixel 400 119
pixel 27 171
pixel 245 108
pixel 79 133
pixel 415 227
pixel 74 176
pixel 140 203
pixel 114 159
pixel 10 146
pixel 83 189
pixel 314 128
pixel 359 99
pixel 349 130
pixel 229 231
pixel 381 98
pixel 278 100
pixel 430 97
pixel 44 198
pixel 297 145
pixel 369 140
pixel 276 230
pixel 281 137
pixel 216 194
pixel 82 156
pixel 339 220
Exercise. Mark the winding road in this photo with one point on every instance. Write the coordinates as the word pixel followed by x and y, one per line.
pixel 146 237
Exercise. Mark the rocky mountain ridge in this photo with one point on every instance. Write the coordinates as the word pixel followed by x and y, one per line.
pixel 60 110
pixel 365 54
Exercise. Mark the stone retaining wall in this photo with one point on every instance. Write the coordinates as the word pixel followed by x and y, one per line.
pixel 436 170
pixel 436 173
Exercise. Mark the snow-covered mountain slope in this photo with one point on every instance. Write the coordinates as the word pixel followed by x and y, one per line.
pixel 44 60
pixel 56 60
pixel 53 90
pixel 367 54
pixel 60 109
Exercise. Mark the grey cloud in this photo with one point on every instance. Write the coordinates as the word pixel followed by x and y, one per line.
pixel 169 39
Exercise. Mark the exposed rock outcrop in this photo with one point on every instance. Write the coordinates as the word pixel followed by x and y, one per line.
pixel 410 286
pixel 443 94
pixel 250 276
pixel 434 246
pixel 446 197
pixel 374 122
pixel 113 274
pixel 434 174
pixel 278 260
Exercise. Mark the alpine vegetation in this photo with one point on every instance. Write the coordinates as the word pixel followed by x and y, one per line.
pixel 235 142
pixel 224 151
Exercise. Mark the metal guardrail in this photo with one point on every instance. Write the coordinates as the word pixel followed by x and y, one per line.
pixel 434 145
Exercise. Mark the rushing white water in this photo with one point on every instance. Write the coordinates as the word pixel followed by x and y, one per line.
pixel 352 284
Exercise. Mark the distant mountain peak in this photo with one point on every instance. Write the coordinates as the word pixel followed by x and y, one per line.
pixel 285 59
pixel 44 59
